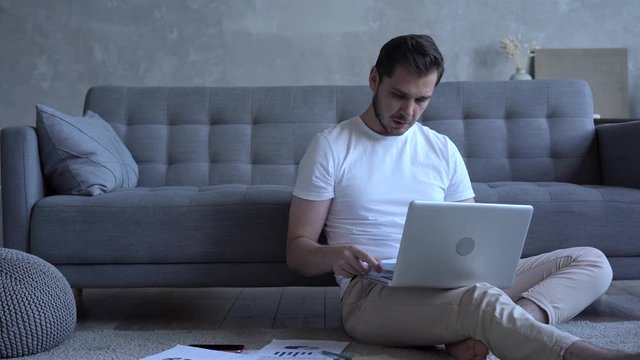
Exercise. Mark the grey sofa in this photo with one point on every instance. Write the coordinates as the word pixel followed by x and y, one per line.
pixel 217 165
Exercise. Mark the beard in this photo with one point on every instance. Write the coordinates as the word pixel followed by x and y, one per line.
pixel 379 116
pixel 376 112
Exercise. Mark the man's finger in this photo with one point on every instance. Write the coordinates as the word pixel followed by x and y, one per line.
pixel 368 259
pixel 350 270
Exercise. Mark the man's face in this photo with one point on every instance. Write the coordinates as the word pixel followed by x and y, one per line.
pixel 399 101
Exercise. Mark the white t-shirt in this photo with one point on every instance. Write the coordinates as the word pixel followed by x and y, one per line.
pixel 372 179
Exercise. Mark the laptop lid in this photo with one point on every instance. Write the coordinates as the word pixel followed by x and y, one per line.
pixel 454 244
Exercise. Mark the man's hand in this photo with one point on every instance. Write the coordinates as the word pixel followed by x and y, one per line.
pixel 350 261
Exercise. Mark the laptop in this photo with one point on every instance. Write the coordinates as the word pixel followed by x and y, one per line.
pixel 454 244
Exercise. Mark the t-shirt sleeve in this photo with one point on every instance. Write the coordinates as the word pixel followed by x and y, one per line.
pixel 315 180
pixel 459 183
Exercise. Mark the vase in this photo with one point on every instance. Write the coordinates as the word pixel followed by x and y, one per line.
pixel 520 74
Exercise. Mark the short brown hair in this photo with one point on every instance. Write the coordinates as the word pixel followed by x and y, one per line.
pixel 418 52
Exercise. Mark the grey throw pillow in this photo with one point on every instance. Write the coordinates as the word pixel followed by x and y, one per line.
pixel 82 155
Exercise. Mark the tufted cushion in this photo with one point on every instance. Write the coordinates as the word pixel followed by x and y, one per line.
pixel 36 303
pixel 541 130
pixel 201 136
pixel 536 130
pixel 82 155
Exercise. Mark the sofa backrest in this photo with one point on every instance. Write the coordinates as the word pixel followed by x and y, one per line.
pixel 538 130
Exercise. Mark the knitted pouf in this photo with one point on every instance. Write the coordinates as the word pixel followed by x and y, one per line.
pixel 37 309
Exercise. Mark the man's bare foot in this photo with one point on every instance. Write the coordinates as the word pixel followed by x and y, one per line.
pixel 469 349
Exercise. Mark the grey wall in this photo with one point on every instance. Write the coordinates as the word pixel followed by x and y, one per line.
pixel 52 51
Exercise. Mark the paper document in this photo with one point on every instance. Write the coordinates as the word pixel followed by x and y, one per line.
pixel 300 350
pixel 276 350
pixel 181 352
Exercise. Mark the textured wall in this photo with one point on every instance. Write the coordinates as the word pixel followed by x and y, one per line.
pixel 52 51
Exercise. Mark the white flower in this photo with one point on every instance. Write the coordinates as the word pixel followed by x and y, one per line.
pixel 513 50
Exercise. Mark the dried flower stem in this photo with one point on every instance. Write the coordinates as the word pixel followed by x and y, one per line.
pixel 512 50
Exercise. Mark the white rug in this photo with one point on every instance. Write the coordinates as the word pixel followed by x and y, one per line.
pixel 119 345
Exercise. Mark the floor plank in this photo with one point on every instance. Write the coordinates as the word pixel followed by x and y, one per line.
pixel 182 309
pixel 291 307
pixel 105 308
pixel 301 308
pixel 333 311
pixel 208 311
pixel 631 287
pixel 254 307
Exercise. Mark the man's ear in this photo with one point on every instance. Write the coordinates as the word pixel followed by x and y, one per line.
pixel 374 80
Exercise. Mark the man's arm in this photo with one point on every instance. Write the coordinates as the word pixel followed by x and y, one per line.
pixel 307 256
pixel 469 200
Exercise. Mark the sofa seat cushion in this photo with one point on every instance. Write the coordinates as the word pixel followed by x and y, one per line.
pixel 239 223
pixel 567 215
pixel 222 223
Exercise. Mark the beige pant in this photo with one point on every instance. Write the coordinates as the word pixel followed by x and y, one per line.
pixel 562 283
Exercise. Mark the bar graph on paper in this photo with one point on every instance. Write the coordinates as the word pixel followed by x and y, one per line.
pixel 292 353
pixel 298 355
pixel 299 349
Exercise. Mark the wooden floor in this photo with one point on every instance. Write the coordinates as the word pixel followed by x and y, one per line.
pixel 292 307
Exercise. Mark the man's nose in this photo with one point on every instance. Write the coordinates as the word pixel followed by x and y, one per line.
pixel 408 108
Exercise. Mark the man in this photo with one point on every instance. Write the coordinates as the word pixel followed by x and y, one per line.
pixel 356 180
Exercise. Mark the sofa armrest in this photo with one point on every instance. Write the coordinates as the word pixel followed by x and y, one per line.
pixel 619 152
pixel 22 183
